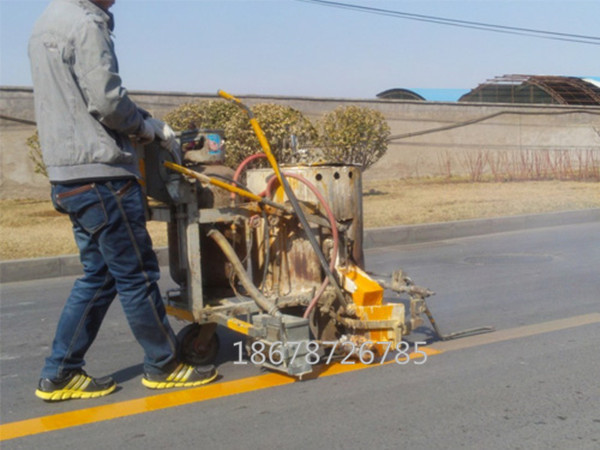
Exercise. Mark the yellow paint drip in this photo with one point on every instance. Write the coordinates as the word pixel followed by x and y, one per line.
pixel 365 291
pixel 389 311
pixel 239 325
pixel 179 313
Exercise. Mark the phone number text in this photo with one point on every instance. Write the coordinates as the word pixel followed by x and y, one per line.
pixel 316 352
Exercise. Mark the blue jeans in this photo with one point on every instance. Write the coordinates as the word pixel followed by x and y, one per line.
pixel 109 225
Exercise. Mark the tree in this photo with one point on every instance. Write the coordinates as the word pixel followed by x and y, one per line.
pixel 353 135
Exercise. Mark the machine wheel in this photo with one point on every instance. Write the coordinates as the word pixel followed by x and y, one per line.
pixel 198 344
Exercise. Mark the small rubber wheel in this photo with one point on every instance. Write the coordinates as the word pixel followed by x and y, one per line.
pixel 196 348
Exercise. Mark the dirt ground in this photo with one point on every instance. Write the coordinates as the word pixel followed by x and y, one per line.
pixel 31 228
pixel 389 203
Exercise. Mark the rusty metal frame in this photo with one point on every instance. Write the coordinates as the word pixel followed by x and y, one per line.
pixel 562 90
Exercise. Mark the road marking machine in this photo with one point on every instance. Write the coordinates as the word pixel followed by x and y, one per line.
pixel 277 258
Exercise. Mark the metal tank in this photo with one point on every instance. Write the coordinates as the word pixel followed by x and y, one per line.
pixel 293 266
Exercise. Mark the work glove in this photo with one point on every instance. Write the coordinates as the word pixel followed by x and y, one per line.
pixel 146 133
pixel 166 135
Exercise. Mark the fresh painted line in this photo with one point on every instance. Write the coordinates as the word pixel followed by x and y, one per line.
pixel 171 399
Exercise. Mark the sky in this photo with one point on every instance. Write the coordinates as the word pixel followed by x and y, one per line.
pixel 289 47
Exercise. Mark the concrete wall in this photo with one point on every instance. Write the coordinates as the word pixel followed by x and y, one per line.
pixel 512 128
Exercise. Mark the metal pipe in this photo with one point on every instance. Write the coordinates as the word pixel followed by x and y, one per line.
pixel 209 180
pixel 263 303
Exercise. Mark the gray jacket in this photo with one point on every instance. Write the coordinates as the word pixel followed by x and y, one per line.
pixel 84 115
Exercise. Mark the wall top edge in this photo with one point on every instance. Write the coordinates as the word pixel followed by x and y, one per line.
pixel 28 89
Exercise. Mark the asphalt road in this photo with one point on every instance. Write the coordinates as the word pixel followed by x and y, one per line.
pixel 534 383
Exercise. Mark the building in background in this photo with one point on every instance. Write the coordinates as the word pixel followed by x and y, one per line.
pixel 399 94
pixel 539 89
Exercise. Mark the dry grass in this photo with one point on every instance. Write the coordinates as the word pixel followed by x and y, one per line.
pixel 31 228
pixel 388 203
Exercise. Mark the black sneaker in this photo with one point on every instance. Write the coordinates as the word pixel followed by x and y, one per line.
pixel 76 384
pixel 184 375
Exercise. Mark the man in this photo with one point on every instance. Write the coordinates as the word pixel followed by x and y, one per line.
pixel 85 120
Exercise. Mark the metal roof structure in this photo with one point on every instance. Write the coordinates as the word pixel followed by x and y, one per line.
pixel 536 89
pixel 399 94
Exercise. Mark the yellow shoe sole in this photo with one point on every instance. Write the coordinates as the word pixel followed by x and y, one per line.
pixel 67 394
pixel 170 384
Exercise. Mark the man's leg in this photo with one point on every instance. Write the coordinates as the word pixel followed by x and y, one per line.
pixel 127 250
pixel 62 376
pixel 110 219
pixel 81 318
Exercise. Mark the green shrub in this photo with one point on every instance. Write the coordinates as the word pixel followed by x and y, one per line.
pixel 212 114
pixel 347 135
pixel 353 135
pixel 278 123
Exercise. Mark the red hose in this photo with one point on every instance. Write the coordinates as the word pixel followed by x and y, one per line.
pixel 242 166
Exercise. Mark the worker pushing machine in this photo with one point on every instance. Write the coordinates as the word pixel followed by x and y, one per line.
pixel 86 121
pixel 285 267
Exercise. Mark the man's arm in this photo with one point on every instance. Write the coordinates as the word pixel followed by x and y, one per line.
pixel 96 70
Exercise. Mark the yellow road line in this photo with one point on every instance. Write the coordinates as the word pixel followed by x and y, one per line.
pixel 519 332
pixel 170 399
pixel 212 391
